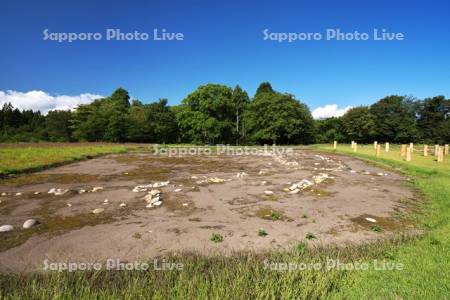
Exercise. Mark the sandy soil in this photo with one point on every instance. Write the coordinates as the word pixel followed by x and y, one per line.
pixel 334 210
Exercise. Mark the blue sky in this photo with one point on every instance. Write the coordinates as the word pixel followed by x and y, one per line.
pixel 224 44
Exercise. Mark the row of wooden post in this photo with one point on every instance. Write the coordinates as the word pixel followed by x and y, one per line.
pixel 405 151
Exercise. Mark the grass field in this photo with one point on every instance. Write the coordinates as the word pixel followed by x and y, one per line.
pixel 17 158
pixel 425 259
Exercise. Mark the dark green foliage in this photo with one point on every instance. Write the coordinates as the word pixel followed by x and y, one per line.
pixel 278 118
pixel 434 120
pixel 329 130
pixel 394 119
pixel 359 125
pixel 218 114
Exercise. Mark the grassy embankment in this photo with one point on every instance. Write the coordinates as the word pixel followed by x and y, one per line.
pixel 426 261
pixel 20 158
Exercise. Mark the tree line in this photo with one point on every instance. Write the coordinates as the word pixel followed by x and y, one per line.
pixel 218 114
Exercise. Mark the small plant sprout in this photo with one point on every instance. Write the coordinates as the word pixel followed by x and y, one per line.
pixel 300 248
pixel 310 236
pixel 216 238
pixel 262 232
pixel 376 228
pixel 274 215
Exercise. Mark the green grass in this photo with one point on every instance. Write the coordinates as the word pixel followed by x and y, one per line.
pixel 425 261
pixel 32 157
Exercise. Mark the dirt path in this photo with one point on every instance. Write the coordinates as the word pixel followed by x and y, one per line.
pixel 204 196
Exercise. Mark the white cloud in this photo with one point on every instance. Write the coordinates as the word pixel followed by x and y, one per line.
pixel 39 100
pixel 328 111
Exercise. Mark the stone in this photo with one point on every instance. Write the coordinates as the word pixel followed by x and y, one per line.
pixel 96 189
pixel 241 174
pixel 4 194
pixel 268 192
pixel 263 182
pixel 81 191
pixel 371 220
pixel 161 184
pixel 294 191
pixel 6 228
pixel 106 201
pixel 122 205
pixel 154 192
pixel 304 183
pixel 19 194
pixel 69 204
pixel 57 192
pixel 177 190
pixel 30 223
pixel 157 203
pixel 36 193
pixel 98 210
pixel 185 204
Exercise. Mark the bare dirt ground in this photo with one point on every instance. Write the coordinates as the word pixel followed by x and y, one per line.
pixel 204 196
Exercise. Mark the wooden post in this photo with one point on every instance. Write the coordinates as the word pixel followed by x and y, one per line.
pixel 446 149
pixel 355 147
pixel 375 145
pixel 440 157
pixel 386 147
pixel 411 146
pixel 425 150
pixel 335 144
pixel 408 154
pixel 403 151
pixel 436 149
pixel 353 144
pixel 378 150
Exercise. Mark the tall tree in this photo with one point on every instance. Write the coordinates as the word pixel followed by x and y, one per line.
pixel 240 102
pixel 359 125
pixel 434 120
pixel 394 119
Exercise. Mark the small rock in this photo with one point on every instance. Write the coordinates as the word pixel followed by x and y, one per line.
pixel 57 192
pixel 96 189
pixel 81 191
pixel 122 205
pixel 157 203
pixel 294 191
pixel 98 210
pixel 106 201
pixel 268 192
pixel 185 204
pixel 241 174
pixel 69 204
pixel 19 194
pixel 371 220
pixel 263 182
pixel 4 194
pixel 30 223
pixel 154 192
pixel 194 177
pixel 160 184
pixel 177 190
pixel 6 228
pixel 36 193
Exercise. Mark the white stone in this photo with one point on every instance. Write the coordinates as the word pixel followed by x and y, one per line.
pixel 106 201
pixel 30 223
pixel 241 174
pixel 69 204
pixel 4 194
pixel 177 190
pixel 185 204
pixel 263 182
pixel 98 210
pixel 160 184
pixel 154 192
pixel 268 192
pixel 294 191
pixel 6 228
pixel 81 191
pixel 371 220
pixel 96 189
pixel 157 203
pixel 36 193
pixel 19 194
pixel 122 205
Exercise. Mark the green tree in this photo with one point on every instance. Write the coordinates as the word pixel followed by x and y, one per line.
pixel 207 115
pixel 240 102
pixel 359 125
pixel 278 118
pixel 394 119
pixel 57 125
pixel 434 120
pixel 329 130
